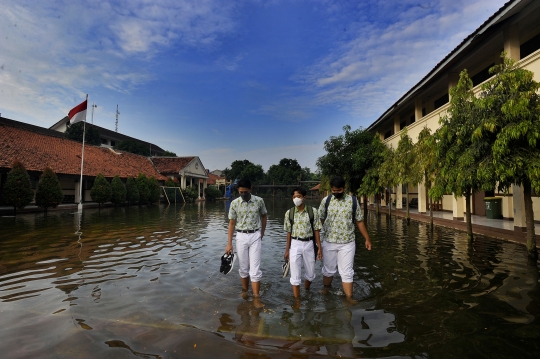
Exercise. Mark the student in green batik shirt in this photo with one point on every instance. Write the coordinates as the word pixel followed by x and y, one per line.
pixel 302 236
pixel 339 240
pixel 247 216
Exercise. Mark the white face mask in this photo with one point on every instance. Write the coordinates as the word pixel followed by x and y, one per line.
pixel 298 201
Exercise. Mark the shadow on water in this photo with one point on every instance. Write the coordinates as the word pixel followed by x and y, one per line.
pixel 145 282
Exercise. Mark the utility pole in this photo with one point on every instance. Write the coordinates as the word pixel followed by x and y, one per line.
pixel 93 107
pixel 117 113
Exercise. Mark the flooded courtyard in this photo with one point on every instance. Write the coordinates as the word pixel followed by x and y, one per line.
pixel 144 282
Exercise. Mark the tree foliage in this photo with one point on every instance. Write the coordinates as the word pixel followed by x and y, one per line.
pixel 287 172
pixel 132 191
pixel 119 191
pixel 510 122
pixel 388 175
pixel 18 190
pixel 348 155
pixel 75 132
pixel 408 171
pixel 49 193
pixel 154 190
pixel 212 192
pixel 133 146
pixel 144 188
pixel 425 153
pixel 101 191
pixel 168 154
pixel 370 183
pixel 244 169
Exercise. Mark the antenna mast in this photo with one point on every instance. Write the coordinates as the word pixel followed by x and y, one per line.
pixel 117 113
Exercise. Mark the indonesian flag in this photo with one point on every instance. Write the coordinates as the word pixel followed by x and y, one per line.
pixel 78 113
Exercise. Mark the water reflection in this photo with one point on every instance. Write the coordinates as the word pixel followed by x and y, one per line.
pixel 145 282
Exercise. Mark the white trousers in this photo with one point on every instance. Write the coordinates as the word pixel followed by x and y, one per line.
pixel 301 253
pixel 340 256
pixel 248 251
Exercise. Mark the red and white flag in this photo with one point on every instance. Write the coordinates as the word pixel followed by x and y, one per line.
pixel 78 113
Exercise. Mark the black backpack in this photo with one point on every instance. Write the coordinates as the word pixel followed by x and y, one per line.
pixel 309 210
pixel 354 206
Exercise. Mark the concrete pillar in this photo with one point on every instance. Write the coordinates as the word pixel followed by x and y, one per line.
pixel 396 123
pixel 418 109
pixel 511 41
pixel 199 188
pixel 458 207
pixel 520 223
pixel 183 181
pixel 399 195
pixel 453 79
pixel 421 198
pixel 205 185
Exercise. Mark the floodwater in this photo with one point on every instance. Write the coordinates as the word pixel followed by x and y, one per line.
pixel 145 283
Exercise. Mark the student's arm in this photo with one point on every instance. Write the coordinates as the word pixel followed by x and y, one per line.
pixel 263 224
pixel 362 228
pixel 318 240
pixel 230 233
pixel 286 255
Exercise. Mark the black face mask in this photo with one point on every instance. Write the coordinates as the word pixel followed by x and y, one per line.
pixel 338 195
pixel 246 196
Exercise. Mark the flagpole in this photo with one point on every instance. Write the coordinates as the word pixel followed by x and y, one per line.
pixel 82 161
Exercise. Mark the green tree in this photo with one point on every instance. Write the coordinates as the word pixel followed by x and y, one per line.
pixel 425 153
pixel 168 154
pixel 510 120
pixel 132 191
pixel 154 190
pixel 101 191
pixel 133 146
pixel 119 191
pixel 49 193
pixel 458 158
pixel 244 169
pixel 408 171
pixel 75 132
pixel 287 172
pixel 191 193
pixel 371 185
pixel 388 175
pixel 348 155
pixel 212 192
pixel 18 190
pixel 143 187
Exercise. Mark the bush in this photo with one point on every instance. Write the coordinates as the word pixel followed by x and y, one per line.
pixel 49 193
pixel 154 190
pixel 17 190
pixel 212 192
pixel 144 189
pixel 101 191
pixel 190 193
pixel 119 191
pixel 132 191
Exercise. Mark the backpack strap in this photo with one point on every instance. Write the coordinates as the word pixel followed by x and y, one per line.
pixel 326 204
pixel 354 206
pixel 291 217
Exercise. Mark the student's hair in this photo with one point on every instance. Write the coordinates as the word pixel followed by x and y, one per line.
pixel 338 182
pixel 300 190
pixel 244 182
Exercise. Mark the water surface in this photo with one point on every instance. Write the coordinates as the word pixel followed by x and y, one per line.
pixel 144 282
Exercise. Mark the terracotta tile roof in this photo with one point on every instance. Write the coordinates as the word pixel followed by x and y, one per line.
pixel 315 188
pixel 170 165
pixel 212 178
pixel 37 151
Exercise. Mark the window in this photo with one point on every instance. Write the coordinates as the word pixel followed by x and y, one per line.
pixel 402 125
pixel 424 112
pixel 103 141
pixel 441 101
pixel 387 134
pixel 412 119
pixel 113 143
pixel 529 47
pixel 482 76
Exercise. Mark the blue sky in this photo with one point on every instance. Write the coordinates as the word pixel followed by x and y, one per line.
pixel 225 80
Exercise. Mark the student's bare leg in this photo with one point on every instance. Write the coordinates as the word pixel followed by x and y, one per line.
pixel 327 282
pixel 307 284
pixel 255 286
pixel 245 284
pixel 296 291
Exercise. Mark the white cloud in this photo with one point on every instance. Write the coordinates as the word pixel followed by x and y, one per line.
pixel 52 53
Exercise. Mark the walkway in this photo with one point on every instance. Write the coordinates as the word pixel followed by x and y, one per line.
pixel 497 228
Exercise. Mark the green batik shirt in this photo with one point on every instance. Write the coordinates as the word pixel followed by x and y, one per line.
pixel 302 227
pixel 338 226
pixel 247 214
